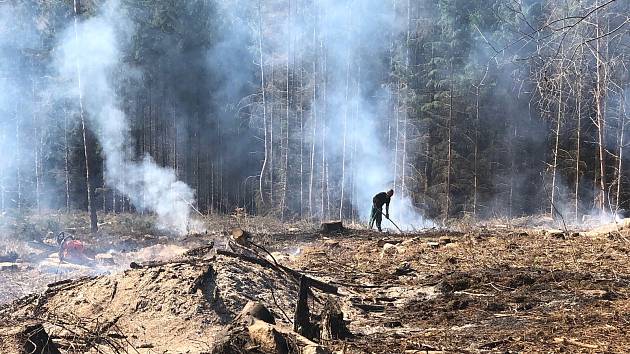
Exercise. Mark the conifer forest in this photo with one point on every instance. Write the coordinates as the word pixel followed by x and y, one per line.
pixel 303 109
pixel 314 176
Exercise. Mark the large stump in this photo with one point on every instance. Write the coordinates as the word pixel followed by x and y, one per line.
pixel 332 226
pixel 239 236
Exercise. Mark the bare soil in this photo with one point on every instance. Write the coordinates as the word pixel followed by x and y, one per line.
pixel 475 289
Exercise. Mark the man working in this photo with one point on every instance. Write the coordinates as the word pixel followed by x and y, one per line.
pixel 377 208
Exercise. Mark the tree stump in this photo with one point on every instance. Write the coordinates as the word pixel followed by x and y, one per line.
pixel 257 311
pixel 332 227
pixel 239 236
pixel 333 326
pixel 301 318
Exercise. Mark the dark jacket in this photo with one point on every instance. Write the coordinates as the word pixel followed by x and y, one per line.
pixel 381 199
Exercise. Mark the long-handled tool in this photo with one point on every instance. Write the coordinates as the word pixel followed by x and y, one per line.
pixel 393 223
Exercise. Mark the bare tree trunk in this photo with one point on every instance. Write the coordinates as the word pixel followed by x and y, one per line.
pixel 2 173
pixel 18 157
pixel 314 126
pixel 288 110
pixel 476 154
pixel 622 118
pixel 449 157
pixel 557 143
pixel 345 129
pixel 599 93
pixel 271 149
pixel 397 135
pixel 88 182
pixel 66 168
pixel 264 102
pixel 39 138
pixel 404 104
pixel 353 154
pixel 324 113
pixel 301 109
pixel 578 141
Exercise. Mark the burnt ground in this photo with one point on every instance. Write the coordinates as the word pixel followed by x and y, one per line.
pixel 496 290
pixel 478 289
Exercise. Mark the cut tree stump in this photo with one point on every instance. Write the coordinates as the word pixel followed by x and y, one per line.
pixel 257 311
pixel 268 338
pixel 332 226
pixel 333 326
pixel 239 235
pixel 301 318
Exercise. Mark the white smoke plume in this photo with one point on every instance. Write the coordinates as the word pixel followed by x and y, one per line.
pixel 87 56
pixel 347 42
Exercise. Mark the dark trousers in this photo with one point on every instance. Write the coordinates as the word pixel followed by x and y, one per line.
pixel 376 215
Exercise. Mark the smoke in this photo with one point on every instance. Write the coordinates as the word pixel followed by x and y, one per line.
pixel 359 36
pixel 345 46
pixel 88 57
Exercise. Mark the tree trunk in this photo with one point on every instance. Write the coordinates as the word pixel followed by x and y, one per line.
pixel 314 126
pixel 88 183
pixel 599 97
pixel 39 139
pixel 557 144
pixel 578 142
pixel 622 118
pixel 285 173
pixel 345 129
pixel 66 168
pixel 264 102
pixel 449 156
pixel 404 103
pixel 324 112
pixel 18 157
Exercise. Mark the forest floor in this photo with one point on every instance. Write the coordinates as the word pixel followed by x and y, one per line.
pixel 518 287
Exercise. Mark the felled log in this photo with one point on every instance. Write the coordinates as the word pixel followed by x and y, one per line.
pixel 26 338
pixel 332 226
pixel 199 251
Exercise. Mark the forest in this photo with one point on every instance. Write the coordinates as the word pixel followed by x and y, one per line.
pixel 197 176
pixel 304 109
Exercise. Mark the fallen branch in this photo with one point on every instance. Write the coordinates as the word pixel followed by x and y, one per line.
pixel 563 340
pixel 318 284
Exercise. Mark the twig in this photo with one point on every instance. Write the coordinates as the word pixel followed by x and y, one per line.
pixel 273 296
pixel 563 340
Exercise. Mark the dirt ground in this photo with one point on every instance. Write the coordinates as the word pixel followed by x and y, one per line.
pixel 472 289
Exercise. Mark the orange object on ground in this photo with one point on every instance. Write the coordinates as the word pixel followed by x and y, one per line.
pixel 72 249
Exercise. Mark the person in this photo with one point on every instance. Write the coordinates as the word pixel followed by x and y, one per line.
pixel 378 201
pixel 70 249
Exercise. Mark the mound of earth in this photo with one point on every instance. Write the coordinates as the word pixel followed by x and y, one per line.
pixel 180 306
